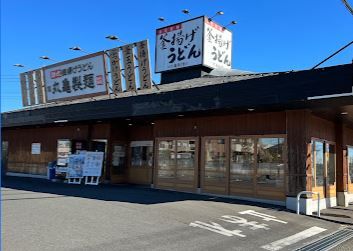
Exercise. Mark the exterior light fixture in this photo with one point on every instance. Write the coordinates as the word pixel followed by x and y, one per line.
pixel 127 119
pixel 115 38
pixel 162 19
pixel 186 11
pixel 152 123
pixel 251 109
pixel 61 121
pixel 77 48
pixel 47 58
pixel 180 115
pixel 218 13
pixel 231 23
pixel 130 124
pixel 18 65
pixel 344 113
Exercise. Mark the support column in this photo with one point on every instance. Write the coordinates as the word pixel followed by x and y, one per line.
pixel 298 143
pixel 341 167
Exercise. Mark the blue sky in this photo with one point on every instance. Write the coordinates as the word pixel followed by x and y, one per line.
pixel 271 35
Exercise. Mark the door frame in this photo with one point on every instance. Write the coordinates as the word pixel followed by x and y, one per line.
pixel 105 155
pixel 325 189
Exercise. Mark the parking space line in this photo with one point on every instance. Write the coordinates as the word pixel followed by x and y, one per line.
pixel 277 245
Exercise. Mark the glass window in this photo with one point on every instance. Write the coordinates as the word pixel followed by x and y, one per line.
pixel 242 160
pixel 331 163
pixel 185 159
pixel 166 159
pixel 270 159
pixel 350 163
pixel 141 156
pixel 318 163
pixel 215 159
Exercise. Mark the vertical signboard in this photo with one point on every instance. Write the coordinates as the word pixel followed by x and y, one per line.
pixel 77 78
pixel 179 45
pixel 32 97
pixel 115 70
pixel 24 89
pixel 195 42
pixel 39 84
pixel 217 46
pixel 144 64
pixel 129 68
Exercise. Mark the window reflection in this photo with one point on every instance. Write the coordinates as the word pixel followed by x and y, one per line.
pixel 318 164
pixel 270 160
pixel 350 162
pixel 166 159
pixel 331 163
pixel 185 159
pixel 215 159
pixel 242 160
pixel 141 156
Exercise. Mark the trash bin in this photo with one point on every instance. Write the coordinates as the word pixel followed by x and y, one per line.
pixel 51 170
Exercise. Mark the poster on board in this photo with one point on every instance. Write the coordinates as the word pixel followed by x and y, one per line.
pixel 75 166
pixel 93 164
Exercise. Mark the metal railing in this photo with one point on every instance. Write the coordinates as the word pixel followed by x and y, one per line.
pixel 309 192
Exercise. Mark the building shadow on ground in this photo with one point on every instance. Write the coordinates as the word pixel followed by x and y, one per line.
pixel 106 192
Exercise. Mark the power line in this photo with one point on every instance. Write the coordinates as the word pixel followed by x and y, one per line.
pixel 349 8
pixel 323 61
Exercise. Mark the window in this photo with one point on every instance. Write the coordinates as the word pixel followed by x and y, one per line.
pixel 318 163
pixel 242 160
pixel 166 159
pixel 350 163
pixel 141 153
pixel 215 159
pixel 185 159
pixel 270 158
pixel 176 159
pixel 331 163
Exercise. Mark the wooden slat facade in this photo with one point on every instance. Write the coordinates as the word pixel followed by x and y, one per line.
pixel 298 127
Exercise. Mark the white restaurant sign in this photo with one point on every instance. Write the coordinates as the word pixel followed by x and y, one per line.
pixel 198 41
pixel 77 78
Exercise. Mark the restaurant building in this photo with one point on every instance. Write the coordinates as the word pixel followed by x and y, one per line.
pixel 260 137
pixel 205 129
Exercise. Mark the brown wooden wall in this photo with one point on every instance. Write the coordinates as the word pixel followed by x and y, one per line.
pixel 348 136
pixel 245 124
pixel 20 158
pixel 322 129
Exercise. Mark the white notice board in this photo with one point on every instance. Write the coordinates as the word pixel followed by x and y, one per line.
pixel 93 164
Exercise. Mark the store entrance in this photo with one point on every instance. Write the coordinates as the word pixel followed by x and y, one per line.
pixel 118 163
pixel 100 145
pixel 323 165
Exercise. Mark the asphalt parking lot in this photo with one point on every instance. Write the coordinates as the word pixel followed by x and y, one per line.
pixel 39 215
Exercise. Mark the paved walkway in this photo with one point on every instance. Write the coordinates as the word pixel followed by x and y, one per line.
pixel 342 215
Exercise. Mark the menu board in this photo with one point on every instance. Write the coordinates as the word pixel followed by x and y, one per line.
pixel 93 164
pixel 75 166
pixel 64 149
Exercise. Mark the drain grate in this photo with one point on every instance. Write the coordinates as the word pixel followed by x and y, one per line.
pixel 329 241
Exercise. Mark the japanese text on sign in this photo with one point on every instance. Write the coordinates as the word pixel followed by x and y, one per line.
pixel 179 45
pixel 217 46
pixel 76 79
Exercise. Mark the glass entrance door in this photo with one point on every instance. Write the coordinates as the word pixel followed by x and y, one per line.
pixel 323 164
pixel 118 163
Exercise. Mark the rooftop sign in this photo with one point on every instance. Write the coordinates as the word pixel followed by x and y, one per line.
pixel 88 76
pixel 77 78
pixel 198 41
